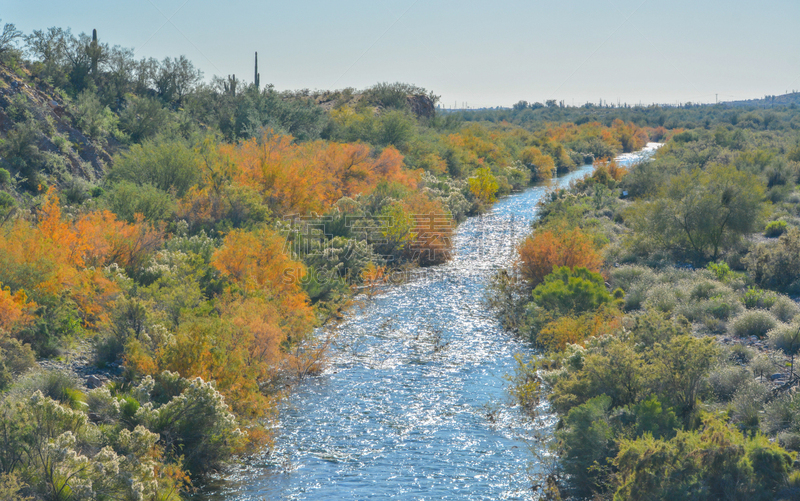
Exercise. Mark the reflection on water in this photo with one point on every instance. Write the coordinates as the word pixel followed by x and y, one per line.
pixel 408 408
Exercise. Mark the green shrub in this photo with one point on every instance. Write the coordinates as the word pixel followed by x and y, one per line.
pixel 741 354
pixel 94 119
pixel 170 166
pixel 776 265
pixel 11 488
pixel 758 298
pixel 775 229
pixel 722 271
pixel 126 200
pixel 566 291
pixel 586 439
pixel 395 128
pixel 722 306
pixel 753 323
pixel 653 418
pixel 7 202
pixel 701 464
pixel 5 177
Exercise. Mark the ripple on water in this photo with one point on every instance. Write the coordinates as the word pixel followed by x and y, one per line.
pixel 403 412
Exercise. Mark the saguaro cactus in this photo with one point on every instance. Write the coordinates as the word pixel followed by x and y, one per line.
pixel 230 86
pixel 94 53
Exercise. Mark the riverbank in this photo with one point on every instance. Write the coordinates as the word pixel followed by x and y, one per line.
pixel 660 354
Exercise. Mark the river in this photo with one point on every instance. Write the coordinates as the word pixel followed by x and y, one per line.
pixel 413 404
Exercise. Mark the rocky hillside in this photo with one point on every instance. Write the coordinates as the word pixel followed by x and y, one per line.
pixel 38 125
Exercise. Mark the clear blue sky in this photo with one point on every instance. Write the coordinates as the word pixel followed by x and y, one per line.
pixel 486 53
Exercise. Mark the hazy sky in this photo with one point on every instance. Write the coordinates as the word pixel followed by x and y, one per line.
pixel 485 53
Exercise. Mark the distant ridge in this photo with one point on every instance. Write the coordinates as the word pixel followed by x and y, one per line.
pixel 793 98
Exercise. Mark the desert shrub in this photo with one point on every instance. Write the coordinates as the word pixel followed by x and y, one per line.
pixel 741 354
pixel 725 380
pixel 775 229
pixel 776 265
pixel 786 338
pixel 704 289
pixel 790 441
pixel 15 359
pixel 785 309
pixel 722 306
pixel 635 297
pixel 781 414
pixel 662 297
pixel 653 326
pixel 142 118
pixel 753 323
pixel 748 401
pixel 61 386
pixel 104 406
pixel 625 277
pixel 195 423
pixel 61 455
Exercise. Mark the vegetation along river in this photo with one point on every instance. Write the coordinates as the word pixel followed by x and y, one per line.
pixel 410 405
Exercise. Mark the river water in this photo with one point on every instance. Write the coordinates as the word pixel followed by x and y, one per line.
pixel 413 404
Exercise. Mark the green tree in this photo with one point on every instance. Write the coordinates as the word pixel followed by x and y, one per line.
pixel 587 440
pixel 680 365
pixel 143 118
pixel 167 165
pixel 705 211
pixel 484 186
pixel 395 128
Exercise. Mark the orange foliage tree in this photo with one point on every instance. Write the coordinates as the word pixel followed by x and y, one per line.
pixel 60 257
pixel 15 309
pixel 242 343
pixel 432 230
pixel 308 177
pixel 541 166
pixel 547 248
pixel 570 329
